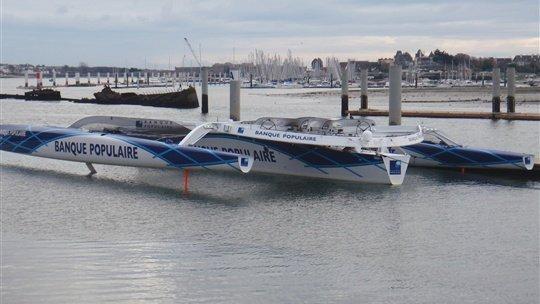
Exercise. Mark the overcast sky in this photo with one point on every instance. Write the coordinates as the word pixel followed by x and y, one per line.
pixel 124 33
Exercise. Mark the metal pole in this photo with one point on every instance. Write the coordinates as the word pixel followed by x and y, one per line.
pixel 394 101
pixel 363 84
pixel 511 98
pixel 204 89
pixel 496 100
pixel 344 90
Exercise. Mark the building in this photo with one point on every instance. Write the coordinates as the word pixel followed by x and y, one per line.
pixel 526 60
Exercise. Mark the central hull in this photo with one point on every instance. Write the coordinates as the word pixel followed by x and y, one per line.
pixel 310 161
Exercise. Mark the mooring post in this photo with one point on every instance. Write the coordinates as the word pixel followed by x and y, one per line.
pixel 54 77
pixel 39 80
pixel 108 78
pixel 132 78
pixel 77 78
pixel 88 77
pixel 496 100
pixel 67 79
pixel 363 89
pixel 235 96
pixel 26 78
pixel 125 79
pixel 98 77
pixel 251 80
pixel 394 97
pixel 344 89
pixel 331 80
pixel 147 78
pixel 482 78
pixel 116 80
pixel 204 90
pixel 511 97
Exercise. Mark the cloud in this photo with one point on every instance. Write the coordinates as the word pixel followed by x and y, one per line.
pixel 125 32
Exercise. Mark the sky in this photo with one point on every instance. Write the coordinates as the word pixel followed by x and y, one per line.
pixel 139 32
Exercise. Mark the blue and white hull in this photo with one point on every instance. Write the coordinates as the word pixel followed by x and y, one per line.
pixel 110 149
pixel 428 154
pixel 311 161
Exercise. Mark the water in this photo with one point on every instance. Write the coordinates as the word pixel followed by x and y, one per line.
pixel 131 235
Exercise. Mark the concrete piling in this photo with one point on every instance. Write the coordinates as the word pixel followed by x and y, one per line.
pixel 108 80
pixel 77 78
pixel 67 79
pixel 88 77
pixel 204 90
pixel 344 89
pixel 26 78
pixel 126 79
pixel 98 78
pixel 132 78
pixel 511 97
pixel 394 99
pixel 235 97
pixel 496 100
pixel 54 77
pixel 363 89
pixel 147 78
pixel 116 80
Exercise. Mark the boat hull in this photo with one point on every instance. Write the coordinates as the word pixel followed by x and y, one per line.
pixel 311 161
pixel 110 149
pixel 436 155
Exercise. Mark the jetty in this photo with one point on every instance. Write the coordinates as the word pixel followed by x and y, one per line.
pixel 450 114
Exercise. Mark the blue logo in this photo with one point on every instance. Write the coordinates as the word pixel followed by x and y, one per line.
pixel 241 130
pixel 395 167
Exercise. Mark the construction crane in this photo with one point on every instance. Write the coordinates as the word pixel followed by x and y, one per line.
pixel 193 52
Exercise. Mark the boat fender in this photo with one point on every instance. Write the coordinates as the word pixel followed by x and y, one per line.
pixel 367 136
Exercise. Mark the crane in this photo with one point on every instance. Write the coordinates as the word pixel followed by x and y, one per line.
pixel 193 52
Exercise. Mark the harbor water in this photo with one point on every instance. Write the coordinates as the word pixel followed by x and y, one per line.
pixel 131 235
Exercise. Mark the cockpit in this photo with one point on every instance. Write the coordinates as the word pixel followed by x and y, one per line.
pixel 316 125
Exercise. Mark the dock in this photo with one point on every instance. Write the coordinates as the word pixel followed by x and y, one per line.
pixel 447 114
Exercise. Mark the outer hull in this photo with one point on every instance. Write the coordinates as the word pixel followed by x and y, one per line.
pixel 311 161
pixel 109 149
pixel 428 154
